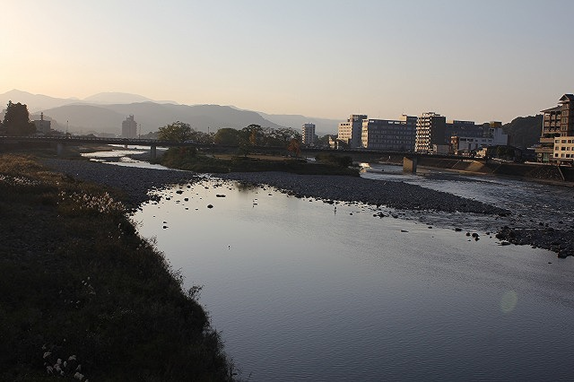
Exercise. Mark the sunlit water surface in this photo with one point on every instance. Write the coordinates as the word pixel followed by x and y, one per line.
pixel 304 290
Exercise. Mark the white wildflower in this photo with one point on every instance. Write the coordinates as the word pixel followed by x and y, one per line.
pixel 79 376
pixel 72 358
pixel 47 354
pixel 49 370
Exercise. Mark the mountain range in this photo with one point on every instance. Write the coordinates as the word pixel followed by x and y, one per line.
pixel 103 113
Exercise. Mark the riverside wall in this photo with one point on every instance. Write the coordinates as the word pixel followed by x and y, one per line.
pixel 539 172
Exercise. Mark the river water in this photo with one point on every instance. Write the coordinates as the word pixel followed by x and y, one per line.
pixel 301 290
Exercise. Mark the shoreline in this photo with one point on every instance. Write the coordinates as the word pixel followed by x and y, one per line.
pixel 83 294
pixel 136 182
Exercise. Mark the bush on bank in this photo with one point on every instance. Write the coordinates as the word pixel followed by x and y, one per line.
pixel 190 159
pixel 82 296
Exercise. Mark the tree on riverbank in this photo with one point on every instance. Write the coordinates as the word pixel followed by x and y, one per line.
pixel 17 120
pixel 176 132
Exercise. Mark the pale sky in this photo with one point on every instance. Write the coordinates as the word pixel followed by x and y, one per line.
pixel 475 60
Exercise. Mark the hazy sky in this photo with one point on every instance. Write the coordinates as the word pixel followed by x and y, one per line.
pixel 478 60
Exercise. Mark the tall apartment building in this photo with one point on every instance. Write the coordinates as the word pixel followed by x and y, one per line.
pixel 391 135
pixel 308 133
pixel 557 121
pixel 430 130
pixel 129 128
pixel 350 132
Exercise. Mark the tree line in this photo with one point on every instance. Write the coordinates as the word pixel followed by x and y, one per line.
pixel 252 135
pixel 17 120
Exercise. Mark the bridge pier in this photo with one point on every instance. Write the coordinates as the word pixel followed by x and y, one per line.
pixel 410 164
pixel 152 153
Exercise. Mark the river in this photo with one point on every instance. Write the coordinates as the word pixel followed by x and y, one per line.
pixel 301 290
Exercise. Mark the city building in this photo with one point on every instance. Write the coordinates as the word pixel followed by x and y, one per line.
pixel 462 128
pixel 391 135
pixel 349 132
pixel 43 126
pixel 430 130
pixel 557 121
pixel 129 128
pixel 563 150
pixel 308 134
pixel 491 134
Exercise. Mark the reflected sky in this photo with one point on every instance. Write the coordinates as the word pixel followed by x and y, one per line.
pixel 305 290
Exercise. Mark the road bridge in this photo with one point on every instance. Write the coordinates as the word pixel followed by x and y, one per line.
pixel 62 141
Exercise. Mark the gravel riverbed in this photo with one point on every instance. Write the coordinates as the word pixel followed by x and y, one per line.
pixel 137 182
pixel 134 182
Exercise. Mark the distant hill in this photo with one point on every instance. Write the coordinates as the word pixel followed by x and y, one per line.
pixel 108 118
pixel 115 97
pixel 35 102
pixel 79 118
pixel 524 131
pixel 104 113
pixel 322 125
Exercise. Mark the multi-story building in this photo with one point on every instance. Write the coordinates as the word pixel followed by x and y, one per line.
pixel 557 121
pixel 349 133
pixel 491 134
pixel 563 150
pixel 129 128
pixel 462 129
pixel 391 135
pixel 308 133
pixel 42 126
pixel 430 130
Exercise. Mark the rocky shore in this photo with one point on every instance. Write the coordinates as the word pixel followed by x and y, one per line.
pixel 136 182
pixel 396 195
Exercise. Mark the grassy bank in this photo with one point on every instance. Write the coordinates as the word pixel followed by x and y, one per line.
pixel 190 159
pixel 82 296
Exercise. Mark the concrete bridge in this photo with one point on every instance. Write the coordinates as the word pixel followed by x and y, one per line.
pixel 62 141
pixel 410 161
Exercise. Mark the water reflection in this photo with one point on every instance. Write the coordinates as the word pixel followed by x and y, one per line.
pixel 302 293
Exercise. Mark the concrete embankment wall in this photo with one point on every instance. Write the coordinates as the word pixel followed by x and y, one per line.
pixel 528 171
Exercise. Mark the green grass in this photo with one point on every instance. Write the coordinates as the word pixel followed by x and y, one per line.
pixel 77 281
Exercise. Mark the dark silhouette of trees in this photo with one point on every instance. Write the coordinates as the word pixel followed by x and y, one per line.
pixel 294 147
pixel 17 120
pixel 177 132
pixel 227 136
